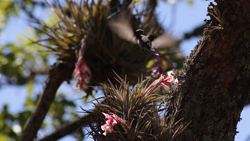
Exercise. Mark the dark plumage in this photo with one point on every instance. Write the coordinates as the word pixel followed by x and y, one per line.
pixel 123 29
pixel 144 42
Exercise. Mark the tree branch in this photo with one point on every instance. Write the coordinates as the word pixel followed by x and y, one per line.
pixel 60 71
pixel 68 129
pixel 214 86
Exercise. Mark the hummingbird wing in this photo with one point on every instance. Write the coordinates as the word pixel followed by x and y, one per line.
pixel 122 28
pixel 152 37
pixel 163 41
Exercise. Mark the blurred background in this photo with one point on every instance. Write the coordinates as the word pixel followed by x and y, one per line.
pixel 24 66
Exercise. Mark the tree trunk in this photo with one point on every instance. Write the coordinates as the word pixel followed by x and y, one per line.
pixel 214 85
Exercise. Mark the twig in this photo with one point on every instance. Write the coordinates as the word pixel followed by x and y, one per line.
pixel 60 71
pixel 67 129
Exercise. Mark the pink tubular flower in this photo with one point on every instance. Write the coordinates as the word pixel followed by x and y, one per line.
pixel 153 85
pixel 110 123
pixel 169 81
pixel 82 72
pixel 119 120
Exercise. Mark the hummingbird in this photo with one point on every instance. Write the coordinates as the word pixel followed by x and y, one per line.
pixel 148 43
pixel 144 42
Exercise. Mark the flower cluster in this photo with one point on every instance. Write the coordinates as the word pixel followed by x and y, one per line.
pixel 169 81
pixel 82 72
pixel 110 123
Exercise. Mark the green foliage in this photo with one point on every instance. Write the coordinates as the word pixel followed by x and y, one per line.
pixel 20 63
pixel 22 60
pixel 59 109
pixel 7 8
pixel 8 120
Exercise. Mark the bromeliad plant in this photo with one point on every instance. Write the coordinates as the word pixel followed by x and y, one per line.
pixel 82 33
pixel 134 114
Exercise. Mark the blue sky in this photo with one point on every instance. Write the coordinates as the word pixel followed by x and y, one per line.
pixel 185 18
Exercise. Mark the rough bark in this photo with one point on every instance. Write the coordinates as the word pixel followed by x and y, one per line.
pixel 214 85
pixel 60 71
